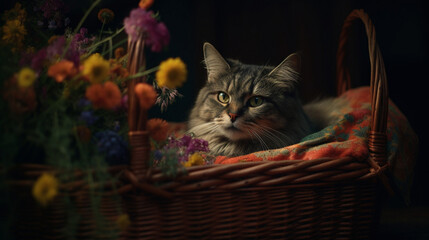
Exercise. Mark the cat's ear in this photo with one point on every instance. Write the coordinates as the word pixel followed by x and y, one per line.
pixel 287 72
pixel 215 63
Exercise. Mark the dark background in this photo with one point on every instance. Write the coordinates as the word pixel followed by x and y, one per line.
pixel 265 32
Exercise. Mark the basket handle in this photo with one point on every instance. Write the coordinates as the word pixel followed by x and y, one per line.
pixel 378 86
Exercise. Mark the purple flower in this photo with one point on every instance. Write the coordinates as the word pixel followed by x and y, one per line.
pixel 88 117
pixel 57 48
pixel 142 23
pixel 39 60
pixel 187 145
pixel 51 7
pixel 83 102
pixel 158 38
pixel 113 147
pixel 197 145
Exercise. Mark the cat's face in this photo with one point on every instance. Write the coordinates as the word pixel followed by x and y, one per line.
pixel 245 102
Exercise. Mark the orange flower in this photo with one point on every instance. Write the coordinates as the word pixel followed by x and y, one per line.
pixel 113 95
pixel 119 52
pixel 106 96
pixel 117 69
pixel 146 95
pixel 145 4
pixel 105 15
pixel 62 70
pixel 158 129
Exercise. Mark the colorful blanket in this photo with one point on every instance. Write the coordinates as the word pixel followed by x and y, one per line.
pixel 348 137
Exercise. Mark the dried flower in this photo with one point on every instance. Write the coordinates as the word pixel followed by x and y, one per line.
pixel 26 77
pixel 107 95
pixel 96 68
pixel 166 97
pixel 45 189
pixel 13 33
pixel 172 73
pixel 145 4
pixel 123 221
pixel 105 15
pixel 61 70
pixel 146 95
pixel 158 129
pixel 194 160
pixel 141 23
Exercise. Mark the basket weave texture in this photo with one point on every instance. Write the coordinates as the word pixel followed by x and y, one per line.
pixel 327 198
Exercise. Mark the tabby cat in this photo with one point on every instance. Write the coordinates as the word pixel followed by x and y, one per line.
pixel 247 108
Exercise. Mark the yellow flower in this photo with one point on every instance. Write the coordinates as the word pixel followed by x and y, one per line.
pixel 194 160
pixel 172 73
pixel 45 189
pixel 96 68
pixel 14 32
pixel 26 77
pixel 123 221
pixel 15 13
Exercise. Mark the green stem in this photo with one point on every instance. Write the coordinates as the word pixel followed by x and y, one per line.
pixel 110 48
pixel 142 74
pixel 115 46
pixel 101 31
pixel 80 25
pixel 94 46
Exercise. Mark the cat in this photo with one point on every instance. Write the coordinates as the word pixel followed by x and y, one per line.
pixel 247 108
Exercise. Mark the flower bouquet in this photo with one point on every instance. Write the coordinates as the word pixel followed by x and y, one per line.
pixel 73 107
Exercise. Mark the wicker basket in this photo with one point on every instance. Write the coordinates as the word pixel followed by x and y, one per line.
pixel 30 220
pixel 323 198
pixel 291 199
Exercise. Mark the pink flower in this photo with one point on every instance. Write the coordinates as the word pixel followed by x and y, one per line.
pixel 142 23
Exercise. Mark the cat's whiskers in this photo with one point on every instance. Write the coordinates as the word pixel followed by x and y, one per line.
pixel 263 144
pixel 204 128
pixel 272 135
pixel 285 139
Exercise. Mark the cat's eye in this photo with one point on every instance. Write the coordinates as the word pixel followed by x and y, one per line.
pixel 223 97
pixel 256 101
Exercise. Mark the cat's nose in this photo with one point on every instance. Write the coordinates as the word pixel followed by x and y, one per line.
pixel 233 116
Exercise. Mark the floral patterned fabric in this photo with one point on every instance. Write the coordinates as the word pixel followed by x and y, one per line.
pixel 348 137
